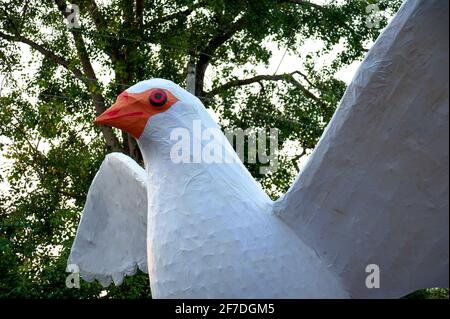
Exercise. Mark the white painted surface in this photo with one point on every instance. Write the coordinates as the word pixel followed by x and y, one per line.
pixel 110 241
pixel 375 191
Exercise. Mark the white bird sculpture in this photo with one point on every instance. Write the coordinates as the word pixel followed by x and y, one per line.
pixel 374 193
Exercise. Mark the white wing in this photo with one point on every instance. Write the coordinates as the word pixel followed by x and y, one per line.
pixel 111 239
pixel 375 190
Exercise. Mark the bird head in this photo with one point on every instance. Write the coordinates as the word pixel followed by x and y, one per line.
pixel 154 110
pixel 142 102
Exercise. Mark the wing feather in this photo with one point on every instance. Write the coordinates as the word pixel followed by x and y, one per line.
pixel 111 237
pixel 375 190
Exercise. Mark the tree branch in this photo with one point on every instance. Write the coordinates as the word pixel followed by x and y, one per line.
pixel 96 15
pixel 89 78
pixel 48 54
pixel 295 159
pixel 287 77
pixel 208 51
pixel 223 36
pixel 302 2
pixel 93 85
pixel 177 15
pixel 139 13
pixel 97 99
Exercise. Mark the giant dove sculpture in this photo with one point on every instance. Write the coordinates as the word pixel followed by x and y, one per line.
pixel 375 191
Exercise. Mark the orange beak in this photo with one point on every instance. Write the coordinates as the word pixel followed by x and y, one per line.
pixel 131 112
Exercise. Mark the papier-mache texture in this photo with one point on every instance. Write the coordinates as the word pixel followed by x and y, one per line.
pixel 374 191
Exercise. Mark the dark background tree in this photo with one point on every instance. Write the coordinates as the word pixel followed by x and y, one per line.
pixel 51 96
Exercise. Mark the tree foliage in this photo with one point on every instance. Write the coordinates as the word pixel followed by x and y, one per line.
pixel 51 96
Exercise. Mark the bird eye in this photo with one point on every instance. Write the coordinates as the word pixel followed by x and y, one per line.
pixel 158 98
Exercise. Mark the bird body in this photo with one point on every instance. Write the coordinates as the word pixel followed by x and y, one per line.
pixel 373 193
pixel 215 214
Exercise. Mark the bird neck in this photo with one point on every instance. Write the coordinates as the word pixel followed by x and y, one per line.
pixel 196 159
pixel 182 150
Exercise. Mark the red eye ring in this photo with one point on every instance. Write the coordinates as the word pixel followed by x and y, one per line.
pixel 158 98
